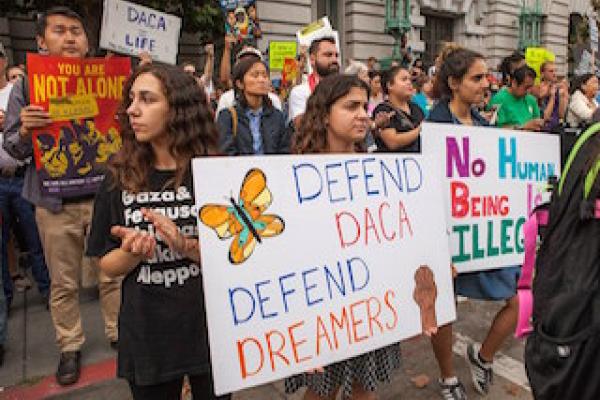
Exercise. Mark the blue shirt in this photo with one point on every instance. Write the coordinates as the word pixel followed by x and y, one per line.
pixel 254 119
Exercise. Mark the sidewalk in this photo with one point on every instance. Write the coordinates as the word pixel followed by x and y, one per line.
pixel 31 360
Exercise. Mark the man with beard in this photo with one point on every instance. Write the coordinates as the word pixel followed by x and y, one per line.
pixel 323 55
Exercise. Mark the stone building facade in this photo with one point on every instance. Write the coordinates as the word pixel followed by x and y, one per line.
pixel 488 26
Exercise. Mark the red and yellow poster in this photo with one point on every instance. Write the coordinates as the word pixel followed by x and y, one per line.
pixel 82 97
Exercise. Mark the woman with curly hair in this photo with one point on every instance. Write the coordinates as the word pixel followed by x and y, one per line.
pixel 144 229
pixel 336 121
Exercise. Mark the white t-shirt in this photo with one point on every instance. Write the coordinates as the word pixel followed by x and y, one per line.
pixel 4 94
pixel 298 98
pixel 228 100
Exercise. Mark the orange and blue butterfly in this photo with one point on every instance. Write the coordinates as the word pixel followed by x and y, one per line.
pixel 244 219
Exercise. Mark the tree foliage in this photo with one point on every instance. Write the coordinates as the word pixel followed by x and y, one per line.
pixel 203 17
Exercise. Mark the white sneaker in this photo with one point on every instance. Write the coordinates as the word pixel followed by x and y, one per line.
pixel 481 373
pixel 452 391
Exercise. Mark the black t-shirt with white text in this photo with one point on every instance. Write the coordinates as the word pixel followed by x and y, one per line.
pixel 162 323
pixel 402 122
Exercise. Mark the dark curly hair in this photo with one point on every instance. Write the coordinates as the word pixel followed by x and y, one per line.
pixel 454 64
pixel 312 135
pixel 190 128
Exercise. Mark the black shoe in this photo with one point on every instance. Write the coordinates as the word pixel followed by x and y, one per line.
pixel 68 368
pixel 1 355
pixel 114 344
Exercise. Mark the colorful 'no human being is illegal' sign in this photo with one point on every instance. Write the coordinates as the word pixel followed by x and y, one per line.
pixel 309 260
pixel 493 179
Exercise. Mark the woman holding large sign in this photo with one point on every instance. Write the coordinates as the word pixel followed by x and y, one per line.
pixel 143 228
pixel 336 121
pixel 460 86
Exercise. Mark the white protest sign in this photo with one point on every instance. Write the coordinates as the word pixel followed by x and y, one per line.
pixel 494 178
pixel 316 30
pixel 131 29
pixel 344 239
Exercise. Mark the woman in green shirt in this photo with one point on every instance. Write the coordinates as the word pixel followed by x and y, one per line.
pixel 517 109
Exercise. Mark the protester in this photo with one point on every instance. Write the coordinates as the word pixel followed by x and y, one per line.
pixel 509 64
pixel 164 125
pixel 402 131
pixel 377 96
pixel 13 73
pixel 372 64
pixel 460 86
pixel 583 100
pixel 206 79
pixel 336 121
pixel 359 69
pixel 253 125
pixel 422 98
pixel 17 213
pixel 561 355
pixel 517 108
pixel 553 97
pixel 228 98
pixel 62 223
pixel 324 61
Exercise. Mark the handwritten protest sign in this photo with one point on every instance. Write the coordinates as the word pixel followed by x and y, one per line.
pixel 309 260
pixel 279 51
pixel 131 29
pixel 241 19
pixel 536 56
pixel 494 178
pixel 82 97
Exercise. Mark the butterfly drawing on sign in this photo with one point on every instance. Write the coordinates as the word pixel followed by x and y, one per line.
pixel 244 219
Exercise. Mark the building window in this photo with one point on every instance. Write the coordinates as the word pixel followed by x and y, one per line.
pixel 329 8
pixel 437 31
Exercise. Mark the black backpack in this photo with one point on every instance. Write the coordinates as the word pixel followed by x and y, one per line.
pixel 562 354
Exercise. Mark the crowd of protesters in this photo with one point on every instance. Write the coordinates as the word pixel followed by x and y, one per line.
pixel 240 112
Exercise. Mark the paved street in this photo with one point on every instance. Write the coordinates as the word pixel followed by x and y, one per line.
pixel 31 359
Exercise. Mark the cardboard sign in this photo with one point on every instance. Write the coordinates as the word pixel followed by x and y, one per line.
pixel 241 19
pixel 494 178
pixel 289 72
pixel 130 28
pixel 309 260
pixel 279 51
pixel 82 97
pixel 535 57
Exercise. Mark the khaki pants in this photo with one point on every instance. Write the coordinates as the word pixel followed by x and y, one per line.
pixel 63 237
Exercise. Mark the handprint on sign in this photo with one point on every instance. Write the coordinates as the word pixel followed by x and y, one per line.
pixel 425 295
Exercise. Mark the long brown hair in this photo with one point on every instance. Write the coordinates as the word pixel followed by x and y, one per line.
pixel 190 129
pixel 312 135
pixel 454 62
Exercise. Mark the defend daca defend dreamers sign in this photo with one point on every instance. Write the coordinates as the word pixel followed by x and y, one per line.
pixel 308 260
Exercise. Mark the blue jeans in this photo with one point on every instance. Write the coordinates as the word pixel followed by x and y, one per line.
pixel 3 324
pixel 12 204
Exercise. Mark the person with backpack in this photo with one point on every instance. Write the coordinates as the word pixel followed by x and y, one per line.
pixel 460 85
pixel 561 354
pixel 253 125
